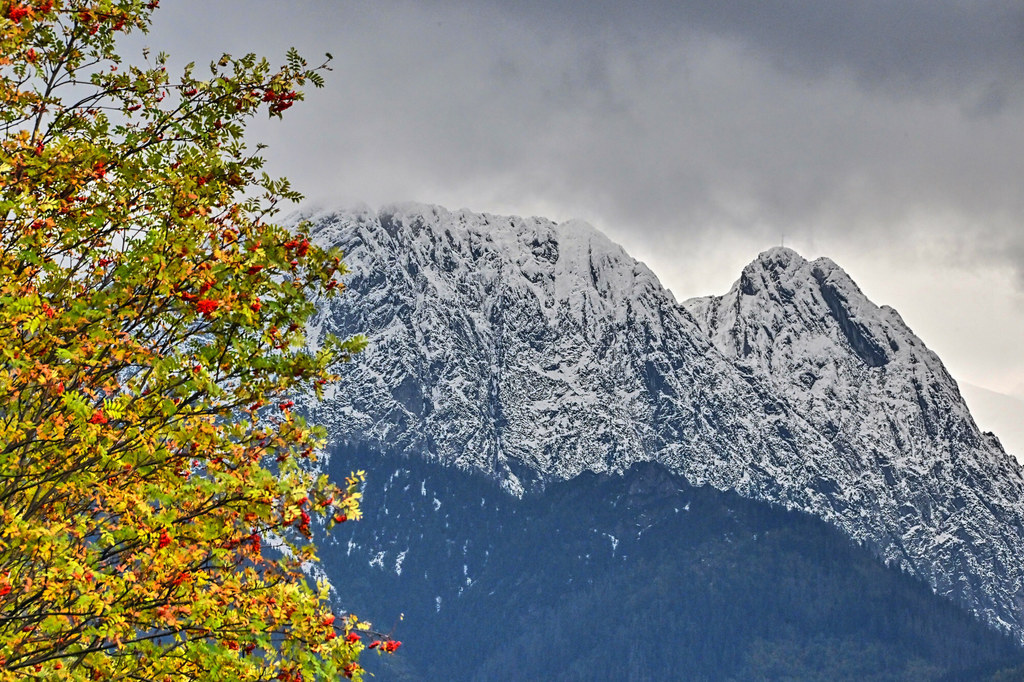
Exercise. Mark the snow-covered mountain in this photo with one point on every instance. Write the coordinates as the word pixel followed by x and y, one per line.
pixel 535 352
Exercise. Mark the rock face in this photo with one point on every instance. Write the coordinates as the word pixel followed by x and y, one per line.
pixel 535 352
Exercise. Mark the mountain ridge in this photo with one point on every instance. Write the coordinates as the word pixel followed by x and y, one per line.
pixel 533 351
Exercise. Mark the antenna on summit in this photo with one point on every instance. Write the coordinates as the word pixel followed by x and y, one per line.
pixel 782 239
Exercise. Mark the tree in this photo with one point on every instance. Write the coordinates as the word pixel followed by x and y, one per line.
pixel 151 331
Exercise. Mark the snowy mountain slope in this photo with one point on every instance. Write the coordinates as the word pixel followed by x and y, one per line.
pixel 903 439
pixel 534 351
pixel 525 348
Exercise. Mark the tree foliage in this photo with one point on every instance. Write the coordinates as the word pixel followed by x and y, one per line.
pixel 151 329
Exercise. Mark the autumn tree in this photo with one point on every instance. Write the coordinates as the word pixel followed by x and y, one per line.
pixel 151 331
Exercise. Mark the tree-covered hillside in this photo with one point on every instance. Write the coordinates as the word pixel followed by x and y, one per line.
pixel 640 577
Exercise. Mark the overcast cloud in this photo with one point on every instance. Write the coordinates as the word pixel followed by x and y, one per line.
pixel 886 134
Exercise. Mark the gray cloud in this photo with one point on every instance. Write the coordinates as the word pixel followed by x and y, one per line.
pixel 694 132
pixel 906 45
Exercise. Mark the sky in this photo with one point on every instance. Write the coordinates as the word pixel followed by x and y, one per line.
pixel 887 135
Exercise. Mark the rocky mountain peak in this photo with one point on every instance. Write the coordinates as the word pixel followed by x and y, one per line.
pixel 778 260
pixel 807 327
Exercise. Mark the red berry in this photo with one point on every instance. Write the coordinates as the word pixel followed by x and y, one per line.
pixel 206 306
pixel 17 12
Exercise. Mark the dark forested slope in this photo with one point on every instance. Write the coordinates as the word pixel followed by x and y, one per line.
pixel 634 577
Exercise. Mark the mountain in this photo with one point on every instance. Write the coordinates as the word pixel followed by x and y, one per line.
pixel 534 353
